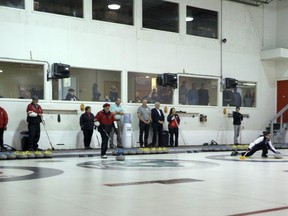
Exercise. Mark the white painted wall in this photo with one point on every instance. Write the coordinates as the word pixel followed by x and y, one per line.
pixel 87 43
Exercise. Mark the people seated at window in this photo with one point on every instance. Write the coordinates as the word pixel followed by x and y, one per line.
pixel 107 99
pixel 70 95
pixel 153 96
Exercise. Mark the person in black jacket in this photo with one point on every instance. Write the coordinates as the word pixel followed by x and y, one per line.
pixel 237 118
pixel 157 116
pixel 173 126
pixel 87 126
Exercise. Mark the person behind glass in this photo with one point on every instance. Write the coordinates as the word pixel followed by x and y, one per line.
pixel 87 126
pixel 173 126
pixel 203 95
pixel 3 127
pixel 105 121
pixel 157 116
pixel 70 95
pixel 96 94
pixel 193 95
pixel 237 98
pixel 262 143
pixel 248 99
pixel 237 118
pixel 183 93
pixel 118 112
pixel 144 116
pixel 34 118
pixel 113 94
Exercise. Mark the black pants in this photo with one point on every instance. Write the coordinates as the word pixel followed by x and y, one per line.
pixel 1 138
pixel 105 139
pixel 157 132
pixel 87 137
pixel 144 128
pixel 174 131
pixel 34 136
pixel 255 148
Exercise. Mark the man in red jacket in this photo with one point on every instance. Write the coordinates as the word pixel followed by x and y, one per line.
pixel 105 121
pixel 34 118
pixel 3 127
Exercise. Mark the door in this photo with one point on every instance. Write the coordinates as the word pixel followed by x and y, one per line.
pixel 282 97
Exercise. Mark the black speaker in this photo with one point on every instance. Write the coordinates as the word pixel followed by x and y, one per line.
pixel 170 79
pixel 159 80
pixel 60 71
pixel 231 83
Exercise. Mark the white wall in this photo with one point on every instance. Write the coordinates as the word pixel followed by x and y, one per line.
pixel 87 43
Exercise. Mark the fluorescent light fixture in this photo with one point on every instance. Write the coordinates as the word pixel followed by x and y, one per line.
pixel 147 77
pixel 114 6
pixel 249 84
pixel 1 71
pixel 189 19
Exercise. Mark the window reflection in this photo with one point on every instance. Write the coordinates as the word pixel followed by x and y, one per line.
pixel 244 95
pixel 144 86
pixel 160 15
pixel 123 13
pixel 198 91
pixel 202 22
pixel 88 85
pixel 12 3
pixel 20 80
pixel 64 7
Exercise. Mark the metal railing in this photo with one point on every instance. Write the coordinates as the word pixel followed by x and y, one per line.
pixel 274 119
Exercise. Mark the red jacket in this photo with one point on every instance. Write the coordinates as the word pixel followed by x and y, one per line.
pixel 105 119
pixel 34 108
pixel 3 118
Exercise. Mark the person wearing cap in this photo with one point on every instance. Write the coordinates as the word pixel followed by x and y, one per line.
pixel 105 121
pixel 70 95
pixel 118 112
pixel 87 126
pixel 262 143
pixel 237 119
pixel 34 118
pixel 3 127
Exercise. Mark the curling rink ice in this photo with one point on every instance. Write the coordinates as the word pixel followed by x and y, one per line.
pixel 174 184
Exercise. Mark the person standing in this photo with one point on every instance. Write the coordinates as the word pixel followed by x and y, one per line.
pixel 193 95
pixel 34 118
pixel 157 116
pixel 237 118
pixel 105 121
pixel 118 113
pixel 144 116
pixel 71 96
pixel 173 126
pixel 87 126
pixel 203 95
pixel 183 93
pixel 3 127
pixel 95 93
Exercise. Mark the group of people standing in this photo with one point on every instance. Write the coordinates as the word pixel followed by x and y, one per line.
pixel 155 117
pixel 107 121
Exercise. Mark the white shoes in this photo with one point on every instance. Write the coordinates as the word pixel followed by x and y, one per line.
pixel 104 156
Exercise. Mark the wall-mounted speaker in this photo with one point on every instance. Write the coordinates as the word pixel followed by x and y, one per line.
pixel 231 83
pixel 170 79
pixel 60 71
